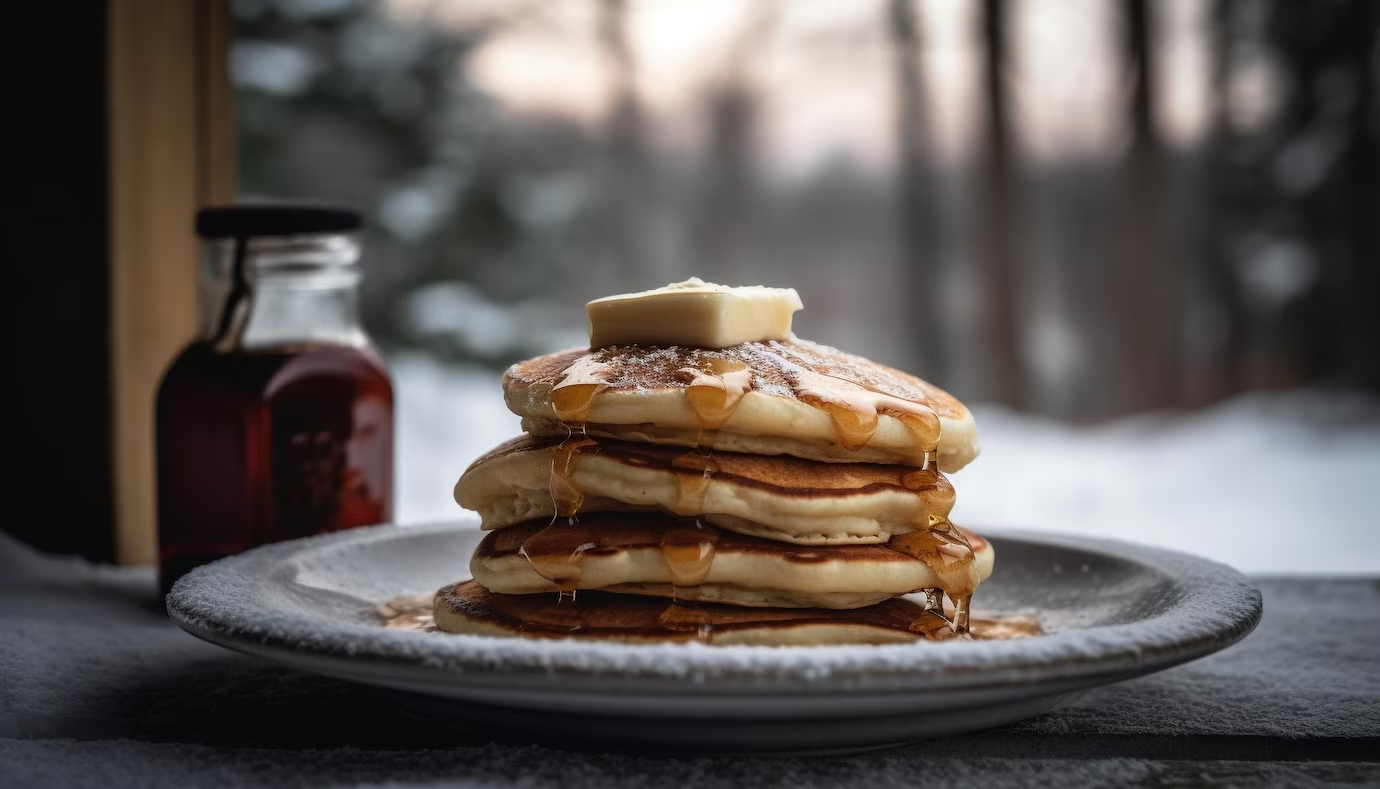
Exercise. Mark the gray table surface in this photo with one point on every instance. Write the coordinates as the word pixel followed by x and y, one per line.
pixel 98 688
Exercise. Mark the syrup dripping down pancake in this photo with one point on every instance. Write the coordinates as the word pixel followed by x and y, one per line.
pixel 765 398
pixel 781 498
pixel 661 555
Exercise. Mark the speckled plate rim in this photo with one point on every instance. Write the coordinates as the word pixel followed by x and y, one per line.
pixel 240 603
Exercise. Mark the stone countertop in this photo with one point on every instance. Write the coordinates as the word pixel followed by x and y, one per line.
pixel 98 688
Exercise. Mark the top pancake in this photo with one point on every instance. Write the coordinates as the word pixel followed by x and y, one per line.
pixel 766 398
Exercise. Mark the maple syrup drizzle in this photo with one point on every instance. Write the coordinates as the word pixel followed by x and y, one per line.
pixel 934 600
pixel 561 567
pixel 853 426
pixel 573 402
pixel 934 625
pixel 960 621
pixel 556 562
pixel 692 472
pixel 924 430
pixel 688 553
pixel 714 393
pixel 572 398
pixel 933 489
pixel 855 407
pixel 556 552
pixel 566 499
pixel 409 612
pixel 946 551
pixel 718 382
pixel 1004 627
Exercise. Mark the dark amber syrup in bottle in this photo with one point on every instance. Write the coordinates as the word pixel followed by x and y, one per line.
pixel 260 446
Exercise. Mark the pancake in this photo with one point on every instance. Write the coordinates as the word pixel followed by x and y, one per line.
pixel 470 608
pixel 764 398
pixel 661 555
pixel 781 498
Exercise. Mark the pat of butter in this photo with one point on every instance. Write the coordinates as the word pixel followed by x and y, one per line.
pixel 693 313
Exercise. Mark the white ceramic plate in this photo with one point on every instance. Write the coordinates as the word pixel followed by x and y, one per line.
pixel 1113 611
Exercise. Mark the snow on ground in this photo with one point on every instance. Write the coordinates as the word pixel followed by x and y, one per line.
pixel 1269 483
pixel 446 417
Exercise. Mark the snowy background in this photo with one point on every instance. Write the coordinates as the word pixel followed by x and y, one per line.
pixel 1107 220
pixel 1269 483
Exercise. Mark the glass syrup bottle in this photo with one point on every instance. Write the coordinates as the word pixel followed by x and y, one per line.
pixel 277 422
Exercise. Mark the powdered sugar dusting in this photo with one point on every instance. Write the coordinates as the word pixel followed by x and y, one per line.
pixel 776 368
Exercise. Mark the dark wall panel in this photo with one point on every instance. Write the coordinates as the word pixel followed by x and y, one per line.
pixel 55 304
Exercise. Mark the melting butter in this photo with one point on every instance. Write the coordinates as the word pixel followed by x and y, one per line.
pixel 693 313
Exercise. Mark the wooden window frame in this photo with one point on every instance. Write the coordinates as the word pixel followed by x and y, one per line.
pixel 171 142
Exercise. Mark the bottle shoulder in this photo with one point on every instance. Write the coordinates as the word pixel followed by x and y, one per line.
pixel 266 373
pixel 359 365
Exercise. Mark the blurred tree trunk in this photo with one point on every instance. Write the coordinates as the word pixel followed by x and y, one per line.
pixel 997 218
pixel 920 244
pixel 1146 313
pixel 1214 332
pixel 1325 159
pixel 729 182
pixel 1359 187
pixel 728 213
pixel 627 161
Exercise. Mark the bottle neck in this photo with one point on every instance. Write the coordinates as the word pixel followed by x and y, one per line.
pixel 265 293
pixel 286 316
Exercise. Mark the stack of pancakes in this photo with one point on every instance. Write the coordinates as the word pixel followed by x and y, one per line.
pixel 775 492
